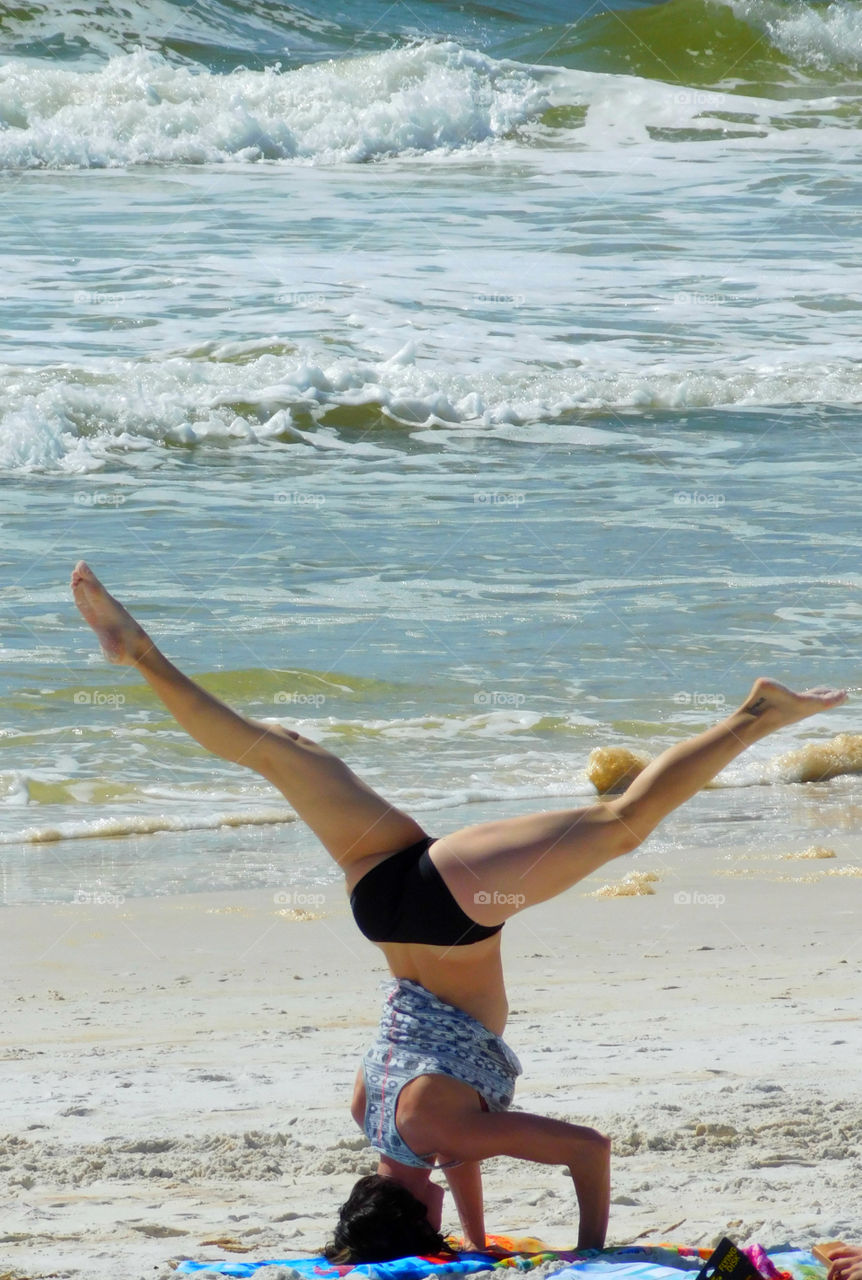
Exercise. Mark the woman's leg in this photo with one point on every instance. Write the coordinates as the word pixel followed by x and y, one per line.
pixel 498 868
pixel 349 819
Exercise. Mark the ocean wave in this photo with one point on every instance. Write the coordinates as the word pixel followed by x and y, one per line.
pixel 819 761
pixel 145 824
pixel 683 42
pixel 221 35
pixel 138 109
pixel 78 420
pixel 224 34
pixel 695 42
pixel 774 45
pixel 531 782
pixel 431 98
pixel 826 38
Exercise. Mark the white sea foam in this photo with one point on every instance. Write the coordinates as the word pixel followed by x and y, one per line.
pixel 138 109
pixel 64 419
pixel 144 824
pixel 13 789
pixel 823 36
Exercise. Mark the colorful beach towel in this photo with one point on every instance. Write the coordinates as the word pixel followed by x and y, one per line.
pixel 634 1262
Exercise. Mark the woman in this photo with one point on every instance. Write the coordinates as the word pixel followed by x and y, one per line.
pixel 435 1088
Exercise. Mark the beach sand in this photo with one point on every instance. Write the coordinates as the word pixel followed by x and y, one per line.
pixel 178 1070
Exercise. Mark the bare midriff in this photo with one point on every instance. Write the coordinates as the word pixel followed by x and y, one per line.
pixel 470 978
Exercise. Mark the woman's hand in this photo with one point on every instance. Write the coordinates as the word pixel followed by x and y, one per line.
pixel 495 1250
pixel 846 1263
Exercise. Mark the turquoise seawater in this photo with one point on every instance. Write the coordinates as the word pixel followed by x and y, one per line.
pixel 469 388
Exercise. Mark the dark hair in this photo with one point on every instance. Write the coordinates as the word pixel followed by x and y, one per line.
pixel 381 1220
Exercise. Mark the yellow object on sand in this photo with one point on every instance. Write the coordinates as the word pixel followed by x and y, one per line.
pixel 611 769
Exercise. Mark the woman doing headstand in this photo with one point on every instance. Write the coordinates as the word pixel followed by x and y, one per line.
pixel 435 1087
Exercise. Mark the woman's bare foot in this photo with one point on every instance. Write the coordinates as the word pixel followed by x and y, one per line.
pixel 776 705
pixel 122 640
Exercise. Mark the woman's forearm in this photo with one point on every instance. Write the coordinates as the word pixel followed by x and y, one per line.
pixel 592 1178
pixel 465 1183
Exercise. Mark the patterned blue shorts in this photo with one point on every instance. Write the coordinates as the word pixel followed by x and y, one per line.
pixel 421 1035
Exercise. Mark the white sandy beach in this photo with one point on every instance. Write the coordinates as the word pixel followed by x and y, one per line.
pixel 177 1070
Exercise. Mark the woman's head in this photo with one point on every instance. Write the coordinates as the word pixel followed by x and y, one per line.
pixel 381 1220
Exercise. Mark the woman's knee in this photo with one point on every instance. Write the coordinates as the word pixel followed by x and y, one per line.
pixel 286 735
pixel 627 829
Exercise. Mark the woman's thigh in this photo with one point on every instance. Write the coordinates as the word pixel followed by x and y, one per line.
pixel 349 818
pixel 495 869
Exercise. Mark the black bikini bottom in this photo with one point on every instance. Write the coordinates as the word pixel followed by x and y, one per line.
pixel 405 899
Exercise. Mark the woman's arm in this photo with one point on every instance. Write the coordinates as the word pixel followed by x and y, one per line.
pixel 475 1135
pixel 357 1103
pixel 465 1183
